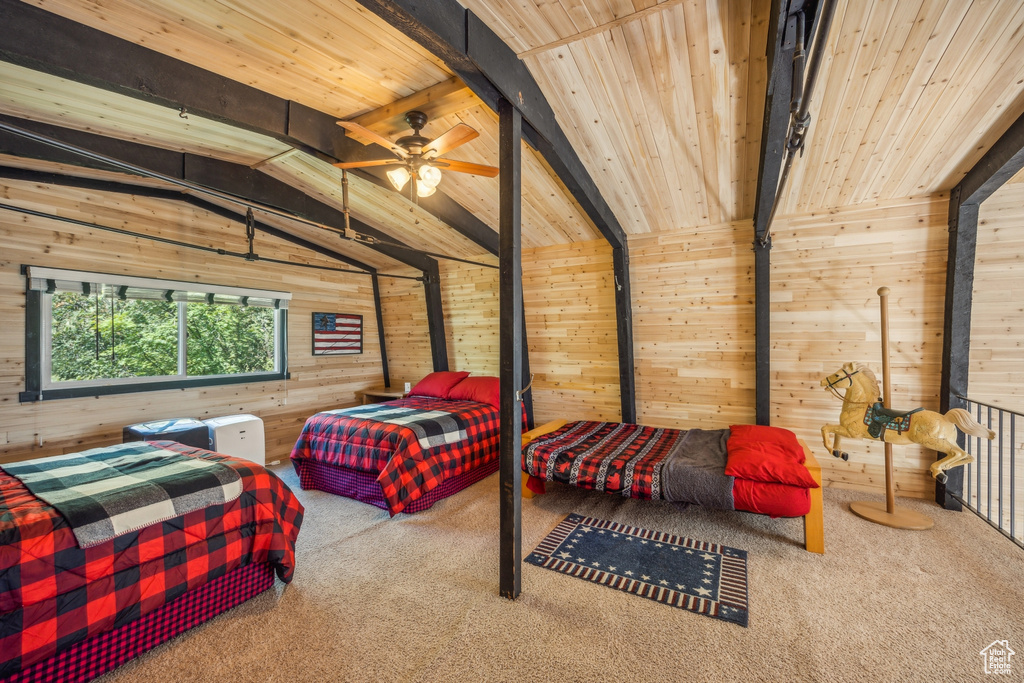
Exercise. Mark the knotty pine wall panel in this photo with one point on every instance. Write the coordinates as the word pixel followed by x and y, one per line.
pixel 570 319
pixel 571 327
pixel 470 300
pixel 59 426
pixel 826 270
pixel 406 336
pixel 997 318
pixel 693 326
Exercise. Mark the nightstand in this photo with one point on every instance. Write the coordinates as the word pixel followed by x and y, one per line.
pixel 381 394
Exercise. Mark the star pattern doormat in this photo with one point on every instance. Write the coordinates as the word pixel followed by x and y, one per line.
pixel 706 578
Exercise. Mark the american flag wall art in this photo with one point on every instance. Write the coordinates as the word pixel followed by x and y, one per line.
pixel 336 334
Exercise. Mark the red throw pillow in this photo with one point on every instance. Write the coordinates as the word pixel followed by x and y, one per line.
pixel 479 389
pixel 438 384
pixel 767 462
pixel 764 433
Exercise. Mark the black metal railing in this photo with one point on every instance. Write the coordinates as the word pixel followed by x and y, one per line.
pixel 993 483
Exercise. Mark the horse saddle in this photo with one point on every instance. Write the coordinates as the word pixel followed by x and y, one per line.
pixel 878 418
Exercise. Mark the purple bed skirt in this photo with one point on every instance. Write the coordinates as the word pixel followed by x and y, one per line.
pixel 363 486
pixel 103 652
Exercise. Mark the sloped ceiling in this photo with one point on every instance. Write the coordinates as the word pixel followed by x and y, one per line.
pixel 332 56
pixel 663 102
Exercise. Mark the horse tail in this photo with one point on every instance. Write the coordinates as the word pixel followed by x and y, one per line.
pixel 968 425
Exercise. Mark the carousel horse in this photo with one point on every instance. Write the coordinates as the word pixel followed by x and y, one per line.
pixel 863 417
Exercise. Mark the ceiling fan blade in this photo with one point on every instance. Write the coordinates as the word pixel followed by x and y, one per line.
pixel 367 164
pixel 458 135
pixel 466 167
pixel 373 137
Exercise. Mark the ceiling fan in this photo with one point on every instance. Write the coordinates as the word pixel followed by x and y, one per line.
pixel 419 158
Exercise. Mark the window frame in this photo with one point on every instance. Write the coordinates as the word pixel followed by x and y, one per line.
pixel 38 335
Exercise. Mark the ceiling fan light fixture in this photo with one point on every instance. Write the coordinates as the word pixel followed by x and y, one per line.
pixel 424 190
pixel 429 176
pixel 399 177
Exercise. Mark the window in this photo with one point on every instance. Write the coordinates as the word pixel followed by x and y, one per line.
pixel 90 334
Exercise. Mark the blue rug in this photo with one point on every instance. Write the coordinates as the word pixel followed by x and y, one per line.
pixel 706 578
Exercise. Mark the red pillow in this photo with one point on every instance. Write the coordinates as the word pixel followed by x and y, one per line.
pixel 774 500
pixel 479 389
pixel 766 462
pixel 764 433
pixel 438 384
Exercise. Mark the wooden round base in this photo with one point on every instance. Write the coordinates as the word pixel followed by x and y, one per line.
pixel 901 518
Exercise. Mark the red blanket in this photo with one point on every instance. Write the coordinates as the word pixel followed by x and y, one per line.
pixel 406 470
pixel 53 593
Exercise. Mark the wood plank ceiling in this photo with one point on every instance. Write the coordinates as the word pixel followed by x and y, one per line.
pixel 335 57
pixel 662 101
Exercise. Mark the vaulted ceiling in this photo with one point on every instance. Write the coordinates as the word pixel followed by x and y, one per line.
pixel 663 102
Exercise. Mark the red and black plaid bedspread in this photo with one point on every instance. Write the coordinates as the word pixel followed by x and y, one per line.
pixel 406 471
pixel 53 593
pixel 614 457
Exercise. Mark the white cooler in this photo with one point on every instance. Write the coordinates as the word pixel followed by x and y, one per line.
pixel 238 435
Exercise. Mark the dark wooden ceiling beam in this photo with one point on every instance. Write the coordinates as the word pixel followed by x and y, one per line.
pixel 494 72
pixel 126 187
pixel 51 44
pixel 781 43
pixel 1000 163
pixel 235 179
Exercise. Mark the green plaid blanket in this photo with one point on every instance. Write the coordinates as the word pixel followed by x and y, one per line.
pixel 106 492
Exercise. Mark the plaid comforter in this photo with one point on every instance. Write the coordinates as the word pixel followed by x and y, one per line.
pixel 614 457
pixel 105 492
pixel 406 469
pixel 54 594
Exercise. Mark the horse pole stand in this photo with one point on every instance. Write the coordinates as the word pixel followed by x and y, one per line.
pixel 873 511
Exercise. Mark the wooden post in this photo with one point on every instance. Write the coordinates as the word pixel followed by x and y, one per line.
pixel 873 511
pixel 435 316
pixel 510 315
pixel 380 332
pixel 890 487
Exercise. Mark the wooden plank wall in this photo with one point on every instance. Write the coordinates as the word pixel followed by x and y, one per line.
pixel 693 311
pixel 570 322
pixel 570 319
pixel 52 427
pixel 470 299
pixel 997 347
pixel 693 326
pixel 406 336
pixel 997 320
pixel 826 269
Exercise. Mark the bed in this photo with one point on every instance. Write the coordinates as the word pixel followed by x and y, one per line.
pixel 765 470
pixel 405 455
pixel 70 613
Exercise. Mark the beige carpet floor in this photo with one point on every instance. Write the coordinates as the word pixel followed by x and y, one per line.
pixel 414 598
